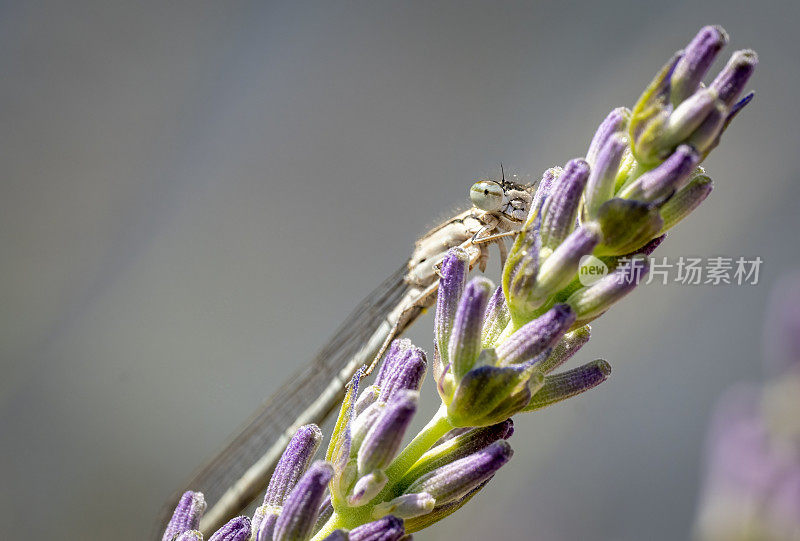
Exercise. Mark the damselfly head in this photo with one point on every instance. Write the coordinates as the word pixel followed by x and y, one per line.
pixel 487 195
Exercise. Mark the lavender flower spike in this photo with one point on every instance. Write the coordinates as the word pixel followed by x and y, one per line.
pixel 386 529
pixel 299 514
pixel 465 340
pixel 386 434
pixel 676 108
pixel 187 515
pixel 451 482
pixel 237 529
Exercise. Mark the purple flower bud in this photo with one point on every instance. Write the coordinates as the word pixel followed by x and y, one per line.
pixel 560 209
pixel 406 506
pixel 627 225
pixel 665 179
pixel 495 320
pixel 697 58
pixel 458 447
pixel 367 488
pixel 386 434
pixel 732 79
pixel 293 464
pixel 465 340
pixel 600 186
pixel 614 124
pixel 454 274
pixel 191 535
pixel 567 384
pixel 187 515
pixel 451 482
pixel 237 529
pixel 386 529
pixel 299 513
pixel 406 370
pixel 565 349
pixel 591 301
pixel 680 205
pixel 535 337
pixel 559 269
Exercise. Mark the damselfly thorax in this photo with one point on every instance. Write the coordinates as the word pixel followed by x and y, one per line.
pixel 241 471
pixel 499 208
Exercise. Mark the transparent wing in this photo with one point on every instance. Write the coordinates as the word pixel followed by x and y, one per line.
pixel 299 400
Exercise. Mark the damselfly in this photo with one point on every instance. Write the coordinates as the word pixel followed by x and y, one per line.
pixel 236 476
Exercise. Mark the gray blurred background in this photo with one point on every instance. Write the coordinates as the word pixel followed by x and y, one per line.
pixel 195 193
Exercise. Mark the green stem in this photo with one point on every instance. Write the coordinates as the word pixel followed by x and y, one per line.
pixel 437 427
pixel 334 523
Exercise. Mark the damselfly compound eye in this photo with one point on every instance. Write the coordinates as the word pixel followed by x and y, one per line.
pixel 487 195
